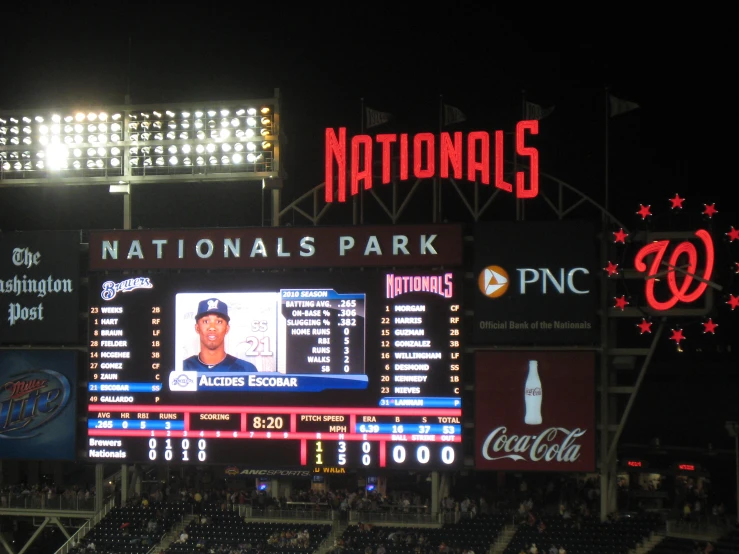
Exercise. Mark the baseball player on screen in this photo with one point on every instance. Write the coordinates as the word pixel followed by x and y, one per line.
pixel 212 324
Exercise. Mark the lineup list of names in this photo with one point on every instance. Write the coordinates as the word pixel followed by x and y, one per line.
pixel 420 338
pixel 112 354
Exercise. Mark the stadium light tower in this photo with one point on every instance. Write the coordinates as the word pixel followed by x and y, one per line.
pixel 733 429
pixel 236 141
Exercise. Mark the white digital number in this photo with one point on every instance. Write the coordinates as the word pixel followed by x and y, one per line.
pixel 399 454
pixel 366 447
pixel 342 453
pixel 423 455
pixel 447 455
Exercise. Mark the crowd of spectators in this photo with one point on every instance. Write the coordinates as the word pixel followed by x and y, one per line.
pixel 340 500
pixel 526 499
pixel 47 496
pixel 411 540
pixel 466 536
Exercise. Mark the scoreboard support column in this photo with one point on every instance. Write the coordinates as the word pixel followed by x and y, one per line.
pixel 434 494
pixel 124 484
pixel 98 487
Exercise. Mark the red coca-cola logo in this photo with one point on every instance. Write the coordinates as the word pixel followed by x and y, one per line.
pixel 672 267
pixel 546 427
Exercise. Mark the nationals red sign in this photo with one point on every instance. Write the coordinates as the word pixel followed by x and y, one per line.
pixel 681 266
pixel 535 411
pixel 426 155
pixel 277 247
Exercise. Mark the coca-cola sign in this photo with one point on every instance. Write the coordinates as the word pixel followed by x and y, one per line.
pixel 535 411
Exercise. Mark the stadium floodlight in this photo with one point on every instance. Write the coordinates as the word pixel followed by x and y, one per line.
pixel 56 156
pixel 228 141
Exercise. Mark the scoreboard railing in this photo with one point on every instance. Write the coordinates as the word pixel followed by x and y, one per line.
pixel 395 518
pixel 36 502
pixel 86 528
pixel 268 514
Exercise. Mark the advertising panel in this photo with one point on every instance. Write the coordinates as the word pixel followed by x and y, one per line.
pixel 39 282
pixel 37 404
pixel 535 411
pixel 314 369
pixel 535 283
pixel 278 247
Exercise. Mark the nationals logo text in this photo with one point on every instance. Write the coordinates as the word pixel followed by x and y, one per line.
pixel 31 400
pixel 660 266
pixel 554 444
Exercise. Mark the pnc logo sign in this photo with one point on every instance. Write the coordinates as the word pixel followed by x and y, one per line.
pixel 494 281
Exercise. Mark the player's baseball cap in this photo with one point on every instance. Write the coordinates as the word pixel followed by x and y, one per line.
pixel 212 306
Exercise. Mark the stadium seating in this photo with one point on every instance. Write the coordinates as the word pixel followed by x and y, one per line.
pixel 478 533
pixel 728 544
pixel 674 545
pixel 125 530
pixel 593 537
pixel 228 528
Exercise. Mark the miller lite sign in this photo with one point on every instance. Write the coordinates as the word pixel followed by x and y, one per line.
pixel 37 404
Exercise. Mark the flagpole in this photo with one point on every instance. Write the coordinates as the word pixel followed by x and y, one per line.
pixel 437 182
pixel 358 203
pixel 605 165
pixel 605 437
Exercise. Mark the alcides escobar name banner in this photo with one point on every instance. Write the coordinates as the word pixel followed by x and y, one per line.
pixel 278 247
pixel 39 282
pixel 37 404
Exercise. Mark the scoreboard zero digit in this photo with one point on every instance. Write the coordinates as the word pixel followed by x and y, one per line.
pixel 354 369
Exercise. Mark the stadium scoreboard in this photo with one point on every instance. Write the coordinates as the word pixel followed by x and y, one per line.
pixel 354 369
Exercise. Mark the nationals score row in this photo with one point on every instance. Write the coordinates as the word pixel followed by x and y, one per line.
pixel 348 369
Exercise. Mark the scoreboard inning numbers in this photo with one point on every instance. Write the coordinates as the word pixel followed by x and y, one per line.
pixel 355 369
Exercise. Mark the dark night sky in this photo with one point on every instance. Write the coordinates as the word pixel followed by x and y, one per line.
pixel 400 59
pixel 324 58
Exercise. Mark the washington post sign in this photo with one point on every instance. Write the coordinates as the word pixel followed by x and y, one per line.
pixel 39 287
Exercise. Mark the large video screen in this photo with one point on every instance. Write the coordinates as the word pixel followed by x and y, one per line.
pixel 276 369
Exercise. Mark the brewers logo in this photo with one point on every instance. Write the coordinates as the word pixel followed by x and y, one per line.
pixel 493 281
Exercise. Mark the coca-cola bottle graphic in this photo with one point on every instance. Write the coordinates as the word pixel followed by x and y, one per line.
pixel 532 395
